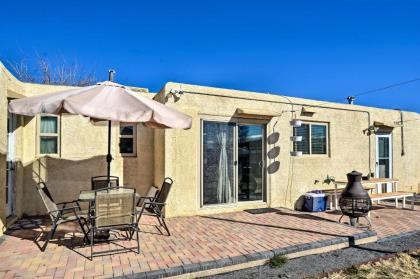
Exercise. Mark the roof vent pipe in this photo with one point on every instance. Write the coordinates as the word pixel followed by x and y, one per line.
pixel 401 123
pixel 111 74
pixel 350 100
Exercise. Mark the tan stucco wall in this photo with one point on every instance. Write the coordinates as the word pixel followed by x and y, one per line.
pixel 349 146
pixel 82 154
pixel 176 153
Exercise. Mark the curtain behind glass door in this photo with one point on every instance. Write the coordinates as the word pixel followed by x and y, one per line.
pixel 218 157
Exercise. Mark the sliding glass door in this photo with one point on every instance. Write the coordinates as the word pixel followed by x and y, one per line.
pixel 218 159
pixel 250 162
pixel 232 162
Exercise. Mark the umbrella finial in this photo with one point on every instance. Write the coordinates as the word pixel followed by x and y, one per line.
pixel 111 74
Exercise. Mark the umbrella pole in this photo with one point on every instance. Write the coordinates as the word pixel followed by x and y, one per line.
pixel 109 156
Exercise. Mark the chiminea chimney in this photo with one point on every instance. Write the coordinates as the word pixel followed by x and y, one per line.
pixel 355 201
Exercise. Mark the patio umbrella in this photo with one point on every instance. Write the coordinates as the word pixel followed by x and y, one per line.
pixel 104 101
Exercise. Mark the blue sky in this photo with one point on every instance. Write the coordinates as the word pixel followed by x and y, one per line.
pixel 323 50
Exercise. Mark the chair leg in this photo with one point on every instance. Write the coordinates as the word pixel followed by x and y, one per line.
pixel 50 236
pixel 158 218
pixel 164 225
pixel 138 240
pixel 92 231
pixel 85 236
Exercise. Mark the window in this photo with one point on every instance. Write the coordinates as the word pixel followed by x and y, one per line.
pixel 314 138
pixel 49 142
pixel 128 139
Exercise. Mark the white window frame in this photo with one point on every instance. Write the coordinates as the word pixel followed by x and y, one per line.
pixel 133 136
pixel 327 138
pixel 57 135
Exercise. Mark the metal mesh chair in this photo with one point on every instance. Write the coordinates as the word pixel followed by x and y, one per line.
pixel 150 196
pixel 60 215
pixel 114 209
pixel 102 181
pixel 155 207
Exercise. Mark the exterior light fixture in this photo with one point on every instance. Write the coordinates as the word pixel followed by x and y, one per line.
pixel 176 94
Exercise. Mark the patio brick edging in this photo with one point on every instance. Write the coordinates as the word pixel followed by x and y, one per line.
pixel 265 255
pixel 397 236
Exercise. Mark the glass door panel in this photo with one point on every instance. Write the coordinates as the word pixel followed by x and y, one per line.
pixel 218 158
pixel 384 161
pixel 383 157
pixel 250 162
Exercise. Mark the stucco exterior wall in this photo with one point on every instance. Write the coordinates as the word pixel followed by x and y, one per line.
pixel 349 147
pixel 177 153
pixel 82 154
pixel 83 150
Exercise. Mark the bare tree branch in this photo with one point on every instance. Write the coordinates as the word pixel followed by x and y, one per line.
pixel 43 71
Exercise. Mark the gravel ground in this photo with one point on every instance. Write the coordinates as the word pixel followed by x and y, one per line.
pixel 316 265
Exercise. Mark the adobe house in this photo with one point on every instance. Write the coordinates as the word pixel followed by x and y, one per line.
pixel 245 150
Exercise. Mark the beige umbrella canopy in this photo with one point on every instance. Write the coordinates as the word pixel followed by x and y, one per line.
pixel 104 101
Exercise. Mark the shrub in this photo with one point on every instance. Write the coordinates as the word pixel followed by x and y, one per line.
pixel 277 261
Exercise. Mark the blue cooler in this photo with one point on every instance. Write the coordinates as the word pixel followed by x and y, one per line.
pixel 315 202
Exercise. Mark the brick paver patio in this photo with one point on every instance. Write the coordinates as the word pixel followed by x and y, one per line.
pixel 386 219
pixel 194 239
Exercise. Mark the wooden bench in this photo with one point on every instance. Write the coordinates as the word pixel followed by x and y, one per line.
pixel 334 193
pixel 393 196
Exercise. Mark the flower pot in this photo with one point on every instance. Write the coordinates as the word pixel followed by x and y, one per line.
pixel 296 138
pixel 296 123
pixel 296 153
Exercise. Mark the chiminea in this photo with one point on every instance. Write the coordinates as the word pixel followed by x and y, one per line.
pixel 355 201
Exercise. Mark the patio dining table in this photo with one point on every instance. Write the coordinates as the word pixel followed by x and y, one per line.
pixel 89 196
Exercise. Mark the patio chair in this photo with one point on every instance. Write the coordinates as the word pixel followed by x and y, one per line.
pixel 102 181
pixel 60 215
pixel 150 196
pixel 62 204
pixel 114 210
pixel 155 207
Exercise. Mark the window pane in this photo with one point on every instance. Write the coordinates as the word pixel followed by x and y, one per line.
pixel 127 130
pixel 383 145
pixel 384 168
pixel 218 184
pixel 49 124
pixel 48 145
pixel 304 144
pixel 319 139
pixel 126 145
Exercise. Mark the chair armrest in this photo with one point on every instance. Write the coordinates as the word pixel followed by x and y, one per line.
pixel 63 209
pixel 154 203
pixel 73 201
pixel 68 202
pixel 143 198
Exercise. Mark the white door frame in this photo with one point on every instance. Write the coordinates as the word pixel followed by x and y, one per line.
pixel 389 136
